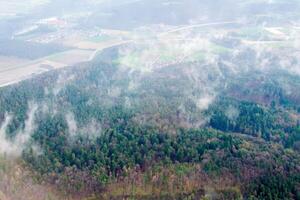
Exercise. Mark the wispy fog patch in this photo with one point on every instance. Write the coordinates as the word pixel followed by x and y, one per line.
pixel 204 102
pixel 114 92
pixel 127 103
pixel 63 79
pixel 133 85
pixel 232 113
pixel 72 124
pixel 5 145
pixel 92 130
pixel 148 55
pixel 15 146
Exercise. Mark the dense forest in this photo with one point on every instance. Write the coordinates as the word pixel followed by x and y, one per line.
pixel 97 135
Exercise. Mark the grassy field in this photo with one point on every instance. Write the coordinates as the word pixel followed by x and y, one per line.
pixel 100 38
pixel 7 62
pixel 88 45
pixel 23 70
pixel 253 33
pixel 159 54
pixel 71 57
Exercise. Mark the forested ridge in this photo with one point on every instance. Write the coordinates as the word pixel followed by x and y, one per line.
pixel 99 133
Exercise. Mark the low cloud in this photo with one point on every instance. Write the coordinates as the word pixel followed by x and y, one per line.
pixel 204 102
pixel 15 146
pixel 72 124
pixel 232 113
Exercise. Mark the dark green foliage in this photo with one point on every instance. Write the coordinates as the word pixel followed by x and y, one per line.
pixel 116 149
pixel 292 140
pixel 254 120
pixel 274 186
pixel 16 100
pixel 251 119
pixel 152 131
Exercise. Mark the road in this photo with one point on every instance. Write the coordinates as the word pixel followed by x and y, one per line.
pixel 197 26
pixel 21 72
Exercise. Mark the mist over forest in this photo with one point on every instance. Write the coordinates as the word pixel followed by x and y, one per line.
pixel 150 99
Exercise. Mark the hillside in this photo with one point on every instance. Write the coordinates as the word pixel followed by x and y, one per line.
pixel 150 100
pixel 91 124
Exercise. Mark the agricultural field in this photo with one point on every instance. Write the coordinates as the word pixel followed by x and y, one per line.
pixel 15 75
pixel 88 45
pixel 71 57
pixel 168 49
pixel 104 39
pixel 44 57
pixel 22 69
pixel 7 62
